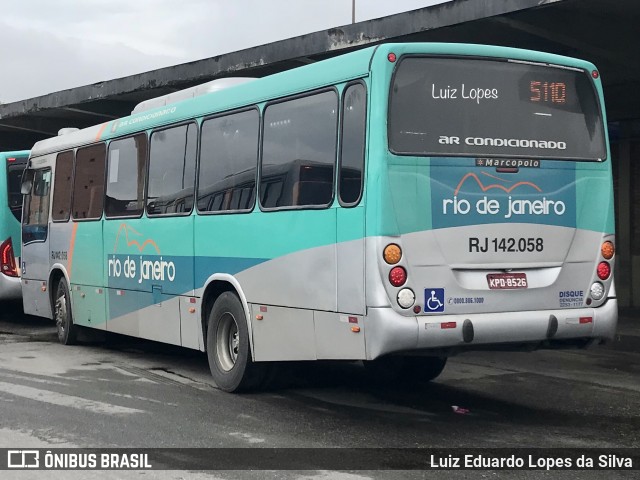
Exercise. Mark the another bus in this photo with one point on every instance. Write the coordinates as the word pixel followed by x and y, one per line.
pixel 12 164
pixel 396 205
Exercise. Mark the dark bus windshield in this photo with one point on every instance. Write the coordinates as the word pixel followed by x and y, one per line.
pixel 14 176
pixel 472 107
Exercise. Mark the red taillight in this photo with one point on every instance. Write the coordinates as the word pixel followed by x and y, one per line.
pixel 391 57
pixel 595 74
pixel 397 276
pixel 7 260
pixel 604 270
pixel 11 159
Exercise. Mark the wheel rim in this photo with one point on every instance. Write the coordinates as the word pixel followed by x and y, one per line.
pixel 61 315
pixel 227 342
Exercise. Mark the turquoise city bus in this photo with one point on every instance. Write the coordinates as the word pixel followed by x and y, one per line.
pixel 395 205
pixel 12 164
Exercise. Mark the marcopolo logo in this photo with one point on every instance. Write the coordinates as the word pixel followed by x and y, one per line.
pixel 487 206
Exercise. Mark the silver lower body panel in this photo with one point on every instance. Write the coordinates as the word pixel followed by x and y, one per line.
pixel 389 332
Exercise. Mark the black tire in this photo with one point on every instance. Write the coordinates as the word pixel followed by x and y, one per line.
pixel 67 331
pixel 228 349
pixel 393 369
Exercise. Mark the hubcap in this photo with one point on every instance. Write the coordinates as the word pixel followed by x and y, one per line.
pixel 61 315
pixel 227 342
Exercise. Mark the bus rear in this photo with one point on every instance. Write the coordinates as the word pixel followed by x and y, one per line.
pixel 494 223
pixel 12 165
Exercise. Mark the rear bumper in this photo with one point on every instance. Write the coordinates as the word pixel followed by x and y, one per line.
pixel 389 332
pixel 10 288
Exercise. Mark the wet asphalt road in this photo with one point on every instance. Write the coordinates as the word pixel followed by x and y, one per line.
pixel 132 393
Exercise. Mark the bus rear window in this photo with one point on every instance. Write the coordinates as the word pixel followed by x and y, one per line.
pixel 473 107
pixel 14 176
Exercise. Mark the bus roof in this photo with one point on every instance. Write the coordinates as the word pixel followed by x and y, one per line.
pixel 334 70
pixel 15 153
pixel 337 69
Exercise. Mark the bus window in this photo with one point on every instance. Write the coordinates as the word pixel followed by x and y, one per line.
pixel 300 141
pixel 14 176
pixel 228 162
pixel 37 208
pixel 125 177
pixel 88 183
pixel 172 166
pixel 353 137
pixel 62 187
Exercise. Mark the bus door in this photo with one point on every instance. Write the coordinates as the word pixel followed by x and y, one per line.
pixel 349 192
pixel 333 339
pixel 35 242
pixel 298 226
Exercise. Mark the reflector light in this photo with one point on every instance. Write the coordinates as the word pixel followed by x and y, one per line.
pixel 7 259
pixel 584 320
pixel 391 57
pixel 604 270
pixel 397 276
pixel 11 159
pixel 597 291
pixel 392 254
pixel 447 325
pixel 406 298
pixel 417 309
pixel 595 74
pixel 607 250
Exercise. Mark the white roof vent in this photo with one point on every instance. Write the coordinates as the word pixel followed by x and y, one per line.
pixel 198 90
pixel 65 131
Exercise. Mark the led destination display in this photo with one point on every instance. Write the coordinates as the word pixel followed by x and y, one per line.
pixel 469 107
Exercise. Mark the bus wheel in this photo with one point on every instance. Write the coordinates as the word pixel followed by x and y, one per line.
pixel 228 349
pixel 67 331
pixel 428 368
pixel 393 369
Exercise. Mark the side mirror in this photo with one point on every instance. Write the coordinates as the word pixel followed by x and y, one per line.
pixel 25 188
pixel 26 183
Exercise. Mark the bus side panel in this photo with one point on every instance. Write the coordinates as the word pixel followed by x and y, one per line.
pixel 149 264
pixel 145 315
pixel 299 249
pixel 35 278
pixel 85 266
pixel 175 283
pixel 339 336
pixel 34 300
pixel 282 334
pixel 350 260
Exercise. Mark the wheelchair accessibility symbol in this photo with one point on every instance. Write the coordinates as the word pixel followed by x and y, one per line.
pixel 433 300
